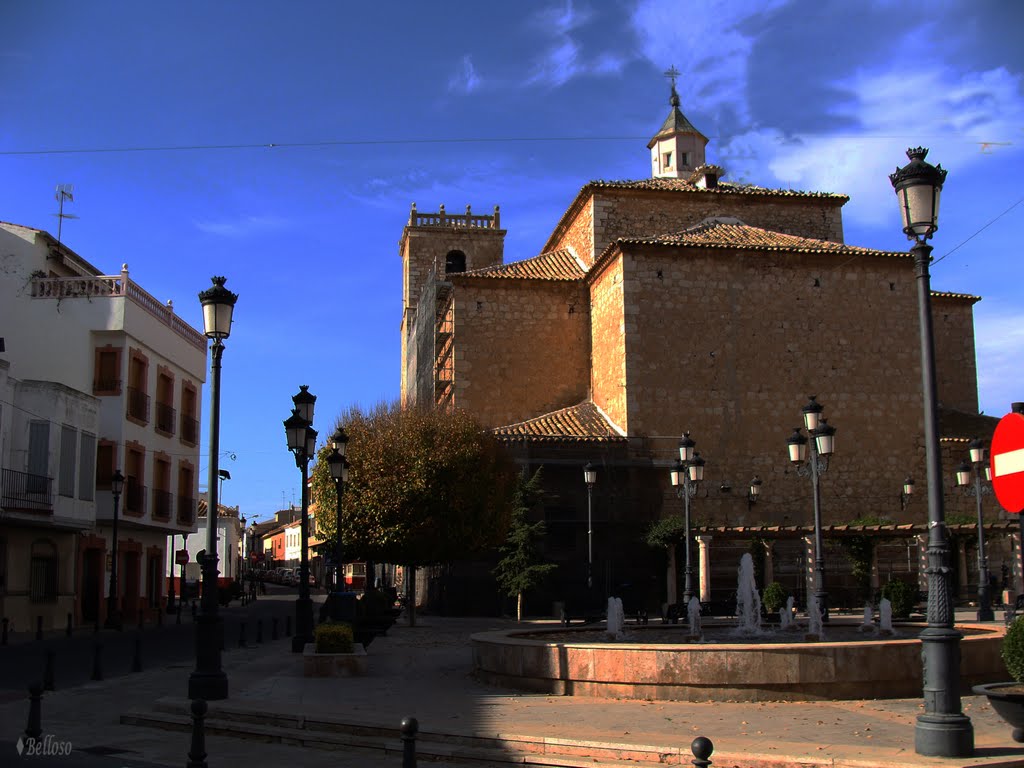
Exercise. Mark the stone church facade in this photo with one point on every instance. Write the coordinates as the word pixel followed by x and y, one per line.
pixel 686 303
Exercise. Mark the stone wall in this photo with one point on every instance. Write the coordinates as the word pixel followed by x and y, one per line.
pixel 608 342
pixel 423 248
pixel 955 362
pixel 579 235
pixel 521 347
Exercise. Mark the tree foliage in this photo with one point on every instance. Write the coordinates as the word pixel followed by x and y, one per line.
pixel 666 532
pixel 521 568
pixel 424 486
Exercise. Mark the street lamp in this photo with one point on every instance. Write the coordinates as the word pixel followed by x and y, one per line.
pixel 908 491
pixel 338 465
pixel 302 442
pixel 755 492
pixel 688 471
pixel 814 465
pixel 977 490
pixel 942 730
pixel 208 680
pixel 590 477
pixel 113 611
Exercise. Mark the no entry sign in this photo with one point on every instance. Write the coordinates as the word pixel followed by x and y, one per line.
pixel 1008 462
pixel 181 557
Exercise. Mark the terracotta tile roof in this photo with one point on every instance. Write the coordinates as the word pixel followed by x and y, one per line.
pixel 964 296
pixel 676 122
pixel 718 234
pixel 582 423
pixel 722 188
pixel 554 265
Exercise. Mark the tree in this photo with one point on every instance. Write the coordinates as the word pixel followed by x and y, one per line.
pixel 521 569
pixel 425 486
pixel 665 533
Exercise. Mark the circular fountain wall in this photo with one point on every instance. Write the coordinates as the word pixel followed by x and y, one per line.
pixel 581 662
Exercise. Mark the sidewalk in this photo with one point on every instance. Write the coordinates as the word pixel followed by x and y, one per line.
pixel 425 672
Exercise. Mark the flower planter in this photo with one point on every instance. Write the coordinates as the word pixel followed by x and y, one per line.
pixel 333 664
pixel 1007 699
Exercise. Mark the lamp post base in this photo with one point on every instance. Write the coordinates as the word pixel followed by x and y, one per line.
pixel 208 681
pixel 303 624
pixel 938 735
pixel 986 614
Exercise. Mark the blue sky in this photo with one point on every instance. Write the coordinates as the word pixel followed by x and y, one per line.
pixel 807 94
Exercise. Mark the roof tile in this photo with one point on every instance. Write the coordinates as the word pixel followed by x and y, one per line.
pixel 582 422
pixel 553 265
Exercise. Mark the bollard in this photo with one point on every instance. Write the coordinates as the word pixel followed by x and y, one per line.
pixel 177 619
pixel 408 730
pixel 197 754
pixel 288 625
pixel 701 747
pixel 97 661
pixel 3 640
pixel 39 627
pixel 241 635
pixel 194 611
pixel 67 630
pixel 137 660
pixel 273 629
pixel 259 630
pixel 48 670
pixel 34 729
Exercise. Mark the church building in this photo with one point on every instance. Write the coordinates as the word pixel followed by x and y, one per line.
pixel 686 303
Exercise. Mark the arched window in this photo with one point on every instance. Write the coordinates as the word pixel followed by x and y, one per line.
pixel 455 261
pixel 43 571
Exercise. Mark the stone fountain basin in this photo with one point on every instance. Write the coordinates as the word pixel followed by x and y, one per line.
pixel 582 662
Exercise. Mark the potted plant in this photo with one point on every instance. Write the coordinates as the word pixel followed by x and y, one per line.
pixel 772 599
pixel 1007 699
pixel 333 652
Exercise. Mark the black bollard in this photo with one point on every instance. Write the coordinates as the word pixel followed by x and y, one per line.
pixel 67 631
pixel 701 747
pixel 288 625
pixel 97 661
pixel 51 657
pixel 241 635
pixel 137 660
pixel 3 640
pixel 34 729
pixel 259 630
pixel 408 730
pixel 197 754
pixel 39 627
pixel 177 619
pixel 273 629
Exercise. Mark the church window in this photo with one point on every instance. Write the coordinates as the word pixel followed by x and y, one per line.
pixel 668 160
pixel 684 158
pixel 455 261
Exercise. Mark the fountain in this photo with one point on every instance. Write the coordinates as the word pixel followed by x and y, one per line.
pixel 615 618
pixel 724 659
pixel 868 623
pixel 885 617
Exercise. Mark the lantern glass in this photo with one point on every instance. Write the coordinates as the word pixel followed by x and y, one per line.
pixel 676 473
pixel 963 474
pixel 977 452
pixel 335 463
pixel 117 482
pixel 908 487
pixel 797 447
pixel 310 444
pixel 697 469
pixel 295 431
pixel 589 474
pixel 304 403
pixel 686 446
pixel 812 413
pixel 988 473
pixel 340 441
pixel 755 487
pixel 218 306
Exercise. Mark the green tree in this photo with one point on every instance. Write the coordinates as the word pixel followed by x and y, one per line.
pixel 521 569
pixel 665 533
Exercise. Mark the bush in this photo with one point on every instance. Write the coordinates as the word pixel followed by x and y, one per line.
pixel 333 637
pixel 1013 649
pixel 773 597
pixel 902 596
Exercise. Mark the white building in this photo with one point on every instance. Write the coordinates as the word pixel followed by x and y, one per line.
pixel 111 343
pixel 229 547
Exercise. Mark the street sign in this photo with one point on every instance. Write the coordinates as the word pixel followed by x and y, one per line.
pixel 1008 462
pixel 181 557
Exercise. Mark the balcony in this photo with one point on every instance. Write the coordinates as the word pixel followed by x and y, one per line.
pixel 102 384
pixel 165 418
pixel 162 502
pixel 138 405
pixel 134 498
pixel 186 510
pixel 189 429
pixel 20 491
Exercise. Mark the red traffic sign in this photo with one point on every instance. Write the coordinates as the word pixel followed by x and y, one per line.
pixel 1008 462
pixel 181 557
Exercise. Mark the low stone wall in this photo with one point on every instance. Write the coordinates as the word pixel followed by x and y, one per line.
pixel 884 668
pixel 333 664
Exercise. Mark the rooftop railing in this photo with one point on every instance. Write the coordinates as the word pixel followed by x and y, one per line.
pixel 468 220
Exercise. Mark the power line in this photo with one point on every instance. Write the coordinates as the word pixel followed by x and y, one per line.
pixel 993 221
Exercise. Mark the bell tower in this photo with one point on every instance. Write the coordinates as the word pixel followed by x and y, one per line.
pixel 677 148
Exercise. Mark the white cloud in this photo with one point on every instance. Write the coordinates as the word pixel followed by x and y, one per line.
pixel 563 59
pixel 999 338
pixel 466 79
pixel 243 226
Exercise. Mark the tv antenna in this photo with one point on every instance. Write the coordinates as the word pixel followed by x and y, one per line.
pixel 64 192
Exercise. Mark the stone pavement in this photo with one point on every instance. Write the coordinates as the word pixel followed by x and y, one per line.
pixel 425 672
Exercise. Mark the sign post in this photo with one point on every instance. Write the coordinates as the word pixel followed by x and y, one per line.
pixel 181 557
pixel 1007 466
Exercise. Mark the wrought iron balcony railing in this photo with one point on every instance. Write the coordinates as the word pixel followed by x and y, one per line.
pixel 24 491
pixel 165 418
pixel 138 404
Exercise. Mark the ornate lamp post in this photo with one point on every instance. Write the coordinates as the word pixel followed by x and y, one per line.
pixel 302 442
pixel 113 611
pixel 339 471
pixel 942 730
pixel 907 492
pixel 688 471
pixel 977 490
pixel 755 491
pixel 590 477
pixel 208 680
pixel 813 466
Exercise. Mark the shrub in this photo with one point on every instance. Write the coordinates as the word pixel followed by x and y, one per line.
pixel 1013 649
pixel 902 596
pixel 333 637
pixel 773 597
